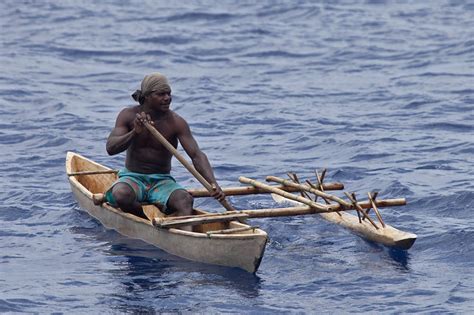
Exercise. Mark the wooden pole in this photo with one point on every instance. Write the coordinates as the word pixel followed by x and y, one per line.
pixel 376 210
pixel 319 187
pixel 374 195
pixel 353 202
pixel 285 182
pixel 283 193
pixel 229 216
pixel 364 204
pixel 249 190
pixel 185 163
pixel 344 205
pixel 177 221
pixel 359 209
pixel 262 213
pixel 320 178
pixel 303 193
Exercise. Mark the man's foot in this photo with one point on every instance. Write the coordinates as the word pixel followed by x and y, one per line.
pixel 98 199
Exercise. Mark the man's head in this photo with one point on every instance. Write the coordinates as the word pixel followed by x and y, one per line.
pixel 155 82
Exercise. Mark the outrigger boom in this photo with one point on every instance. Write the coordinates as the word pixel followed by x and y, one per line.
pixel 335 212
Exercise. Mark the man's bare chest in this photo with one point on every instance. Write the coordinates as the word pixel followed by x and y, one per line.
pixel 167 130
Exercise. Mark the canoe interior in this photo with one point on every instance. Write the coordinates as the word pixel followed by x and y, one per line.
pixel 99 183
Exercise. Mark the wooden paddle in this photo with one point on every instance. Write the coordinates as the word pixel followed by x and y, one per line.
pixel 158 136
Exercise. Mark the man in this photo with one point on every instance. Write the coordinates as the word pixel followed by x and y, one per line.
pixel 146 177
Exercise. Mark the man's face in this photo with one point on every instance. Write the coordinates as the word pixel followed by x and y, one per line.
pixel 160 100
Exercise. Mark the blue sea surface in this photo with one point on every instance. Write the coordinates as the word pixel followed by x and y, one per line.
pixel 381 93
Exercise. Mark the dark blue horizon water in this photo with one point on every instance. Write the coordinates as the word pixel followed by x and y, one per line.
pixel 381 93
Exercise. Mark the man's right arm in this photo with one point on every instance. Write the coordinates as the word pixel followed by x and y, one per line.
pixel 121 136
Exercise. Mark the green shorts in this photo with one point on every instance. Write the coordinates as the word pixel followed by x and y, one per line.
pixel 152 188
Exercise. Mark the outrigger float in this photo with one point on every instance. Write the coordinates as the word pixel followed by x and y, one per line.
pixel 226 238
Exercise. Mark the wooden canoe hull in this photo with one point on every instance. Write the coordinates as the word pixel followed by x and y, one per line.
pixel 242 249
pixel 388 235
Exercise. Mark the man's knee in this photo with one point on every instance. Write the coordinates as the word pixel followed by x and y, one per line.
pixel 187 198
pixel 123 194
pixel 181 201
pixel 182 197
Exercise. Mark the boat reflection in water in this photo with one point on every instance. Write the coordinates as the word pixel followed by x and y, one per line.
pixel 143 272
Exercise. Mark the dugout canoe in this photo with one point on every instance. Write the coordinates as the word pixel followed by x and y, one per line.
pixel 241 248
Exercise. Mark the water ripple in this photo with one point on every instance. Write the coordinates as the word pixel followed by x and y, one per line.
pixel 379 93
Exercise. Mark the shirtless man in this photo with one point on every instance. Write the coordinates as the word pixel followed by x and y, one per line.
pixel 146 177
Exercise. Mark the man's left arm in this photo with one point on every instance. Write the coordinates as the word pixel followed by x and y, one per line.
pixel 199 159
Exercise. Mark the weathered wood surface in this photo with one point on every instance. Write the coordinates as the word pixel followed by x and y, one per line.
pixel 178 222
pixel 92 172
pixel 249 190
pixel 230 231
pixel 307 188
pixel 316 205
pixel 388 235
pixel 331 207
pixel 376 209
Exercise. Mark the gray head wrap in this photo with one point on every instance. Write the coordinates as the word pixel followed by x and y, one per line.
pixel 151 83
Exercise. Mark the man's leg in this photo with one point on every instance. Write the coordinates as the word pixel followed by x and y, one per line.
pixel 126 199
pixel 180 203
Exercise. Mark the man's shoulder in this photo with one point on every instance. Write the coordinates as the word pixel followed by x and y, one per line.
pixel 175 115
pixel 177 119
pixel 129 111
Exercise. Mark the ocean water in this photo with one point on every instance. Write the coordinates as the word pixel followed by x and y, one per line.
pixel 381 93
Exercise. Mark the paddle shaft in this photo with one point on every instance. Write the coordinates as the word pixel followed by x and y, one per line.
pixel 158 136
